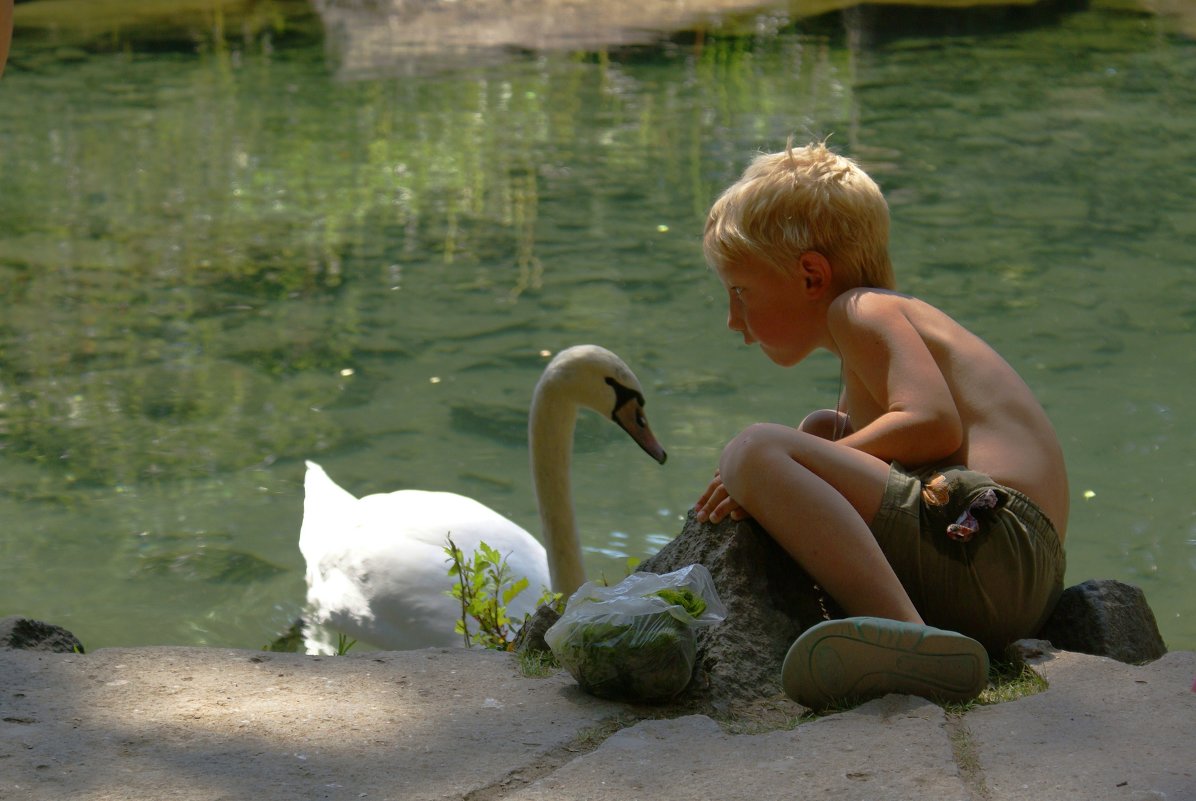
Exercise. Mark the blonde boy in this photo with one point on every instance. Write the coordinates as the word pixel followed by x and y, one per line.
pixel 936 492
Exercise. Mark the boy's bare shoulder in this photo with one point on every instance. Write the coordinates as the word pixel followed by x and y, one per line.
pixel 861 297
pixel 865 304
pixel 871 308
pixel 880 310
pixel 874 299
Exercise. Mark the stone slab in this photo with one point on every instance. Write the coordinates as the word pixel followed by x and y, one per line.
pixel 893 749
pixel 185 724
pixel 1102 731
pixel 207 723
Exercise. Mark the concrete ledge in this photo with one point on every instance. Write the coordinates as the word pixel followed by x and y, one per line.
pixel 195 723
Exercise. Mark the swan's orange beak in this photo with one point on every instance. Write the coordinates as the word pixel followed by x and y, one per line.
pixel 630 417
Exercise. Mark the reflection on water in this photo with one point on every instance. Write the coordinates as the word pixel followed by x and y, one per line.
pixel 218 260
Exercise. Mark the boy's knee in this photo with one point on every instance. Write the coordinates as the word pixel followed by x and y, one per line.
pixel 824 423
pixel 742 452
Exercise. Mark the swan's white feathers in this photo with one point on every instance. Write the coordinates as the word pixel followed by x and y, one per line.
pixel 377 570
pixel 376 566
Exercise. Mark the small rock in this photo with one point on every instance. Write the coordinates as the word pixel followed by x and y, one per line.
pixel 1105 617
pixel 531 634
pixel 21 633
pixel 1029 651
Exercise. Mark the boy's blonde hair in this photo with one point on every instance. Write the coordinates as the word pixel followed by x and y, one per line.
pixel 799 200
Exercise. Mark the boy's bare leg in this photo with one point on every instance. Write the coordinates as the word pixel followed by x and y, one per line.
pixel 816 500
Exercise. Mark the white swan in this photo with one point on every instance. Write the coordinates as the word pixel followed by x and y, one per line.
pixel 376 567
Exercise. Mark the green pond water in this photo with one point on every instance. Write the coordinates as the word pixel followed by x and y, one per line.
pixel 222 252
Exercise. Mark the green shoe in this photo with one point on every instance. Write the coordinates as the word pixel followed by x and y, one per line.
pixel 865 657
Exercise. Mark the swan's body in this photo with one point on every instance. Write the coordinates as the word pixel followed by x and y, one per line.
pixel 376 568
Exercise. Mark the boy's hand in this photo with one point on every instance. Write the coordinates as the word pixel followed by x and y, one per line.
pixel 715 503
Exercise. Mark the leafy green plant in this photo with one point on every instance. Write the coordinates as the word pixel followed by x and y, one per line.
pixel 343 644
pixel 556 600
pixel 485 587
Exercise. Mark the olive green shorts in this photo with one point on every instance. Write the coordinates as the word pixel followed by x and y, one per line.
pixel 997 579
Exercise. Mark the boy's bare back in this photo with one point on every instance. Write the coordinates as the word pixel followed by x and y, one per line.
pixel 901 354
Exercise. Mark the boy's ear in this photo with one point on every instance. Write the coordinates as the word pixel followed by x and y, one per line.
pixel 815 272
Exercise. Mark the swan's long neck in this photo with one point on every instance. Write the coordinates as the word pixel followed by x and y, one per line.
pixel 550 440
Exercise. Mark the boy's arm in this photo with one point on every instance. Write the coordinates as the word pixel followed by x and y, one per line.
pixel 918 422
pixel 829 424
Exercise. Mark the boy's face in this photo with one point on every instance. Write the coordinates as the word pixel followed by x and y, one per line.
pixel 775 310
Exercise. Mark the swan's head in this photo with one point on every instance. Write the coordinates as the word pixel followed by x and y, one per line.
pixel 596 378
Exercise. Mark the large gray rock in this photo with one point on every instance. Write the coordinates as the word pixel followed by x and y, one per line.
pixel 1105 617
pixel 33 635
pixel 769 599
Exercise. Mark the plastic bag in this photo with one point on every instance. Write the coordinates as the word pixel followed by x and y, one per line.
pixel 636 641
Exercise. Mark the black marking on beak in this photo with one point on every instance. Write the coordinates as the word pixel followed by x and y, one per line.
pixel 628 414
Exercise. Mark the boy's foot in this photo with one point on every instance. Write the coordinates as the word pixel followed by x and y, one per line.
pixel 865 657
